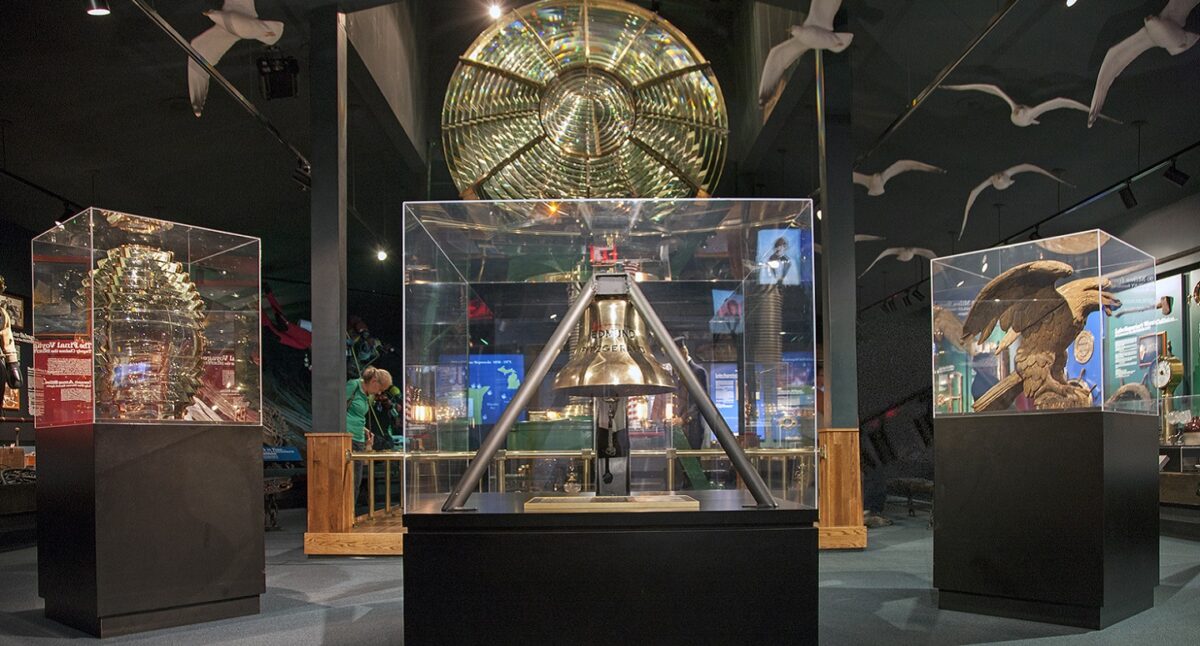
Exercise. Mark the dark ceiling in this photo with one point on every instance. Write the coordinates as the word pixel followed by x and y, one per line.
pixel 96 110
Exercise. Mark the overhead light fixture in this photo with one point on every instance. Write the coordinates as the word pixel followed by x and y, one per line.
pixel 1176 176
pixel 818 214
pixel 1127 196
pixel 98 8
pixel 381 255
pixel 495 11
pixel 1071 3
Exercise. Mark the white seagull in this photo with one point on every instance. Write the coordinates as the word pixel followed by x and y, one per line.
pixel 858 237
pixel 875 182
pixel 903 254
pixel 1023 115
pixel 1001 181
pixel 236 20
pixel 1164 30
pixel 816 33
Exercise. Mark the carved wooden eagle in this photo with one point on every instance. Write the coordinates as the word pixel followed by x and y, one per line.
pixel 1026 304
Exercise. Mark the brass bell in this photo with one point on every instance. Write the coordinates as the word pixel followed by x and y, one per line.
pixel 612 358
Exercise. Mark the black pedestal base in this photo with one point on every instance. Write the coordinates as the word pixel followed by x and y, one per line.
pixel 723 574
pixel 1047 517
pixel 144 526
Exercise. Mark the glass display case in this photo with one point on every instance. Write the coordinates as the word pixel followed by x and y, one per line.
pixel 139 320
pixel 1070 322
pixel 487 285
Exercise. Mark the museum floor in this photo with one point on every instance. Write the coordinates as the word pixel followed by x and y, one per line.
pixel 879 596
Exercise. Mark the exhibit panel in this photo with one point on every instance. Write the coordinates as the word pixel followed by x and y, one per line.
pixel 139 320
pixel 147 394
pixel 1063 323
pixel 487 283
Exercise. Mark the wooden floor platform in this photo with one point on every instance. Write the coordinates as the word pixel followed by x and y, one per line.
pixel 382 535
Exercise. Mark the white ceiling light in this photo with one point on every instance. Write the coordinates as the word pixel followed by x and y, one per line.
pixel 381 255
pixel 494 11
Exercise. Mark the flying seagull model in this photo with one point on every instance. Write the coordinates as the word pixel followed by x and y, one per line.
pixel 816 33
pixel 1024 115
pixel 876 181
pixel 1001 181
pixel 1164 30
pixel 903 254
pixel 237 20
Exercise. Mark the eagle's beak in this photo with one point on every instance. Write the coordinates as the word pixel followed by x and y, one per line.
pixel 1111 303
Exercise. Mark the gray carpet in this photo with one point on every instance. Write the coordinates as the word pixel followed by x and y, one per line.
pixel 878 596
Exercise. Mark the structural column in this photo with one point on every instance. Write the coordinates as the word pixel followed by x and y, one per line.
pixel 840 485
pixel 327 63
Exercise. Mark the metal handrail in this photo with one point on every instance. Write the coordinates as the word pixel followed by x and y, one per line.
pixel 393 456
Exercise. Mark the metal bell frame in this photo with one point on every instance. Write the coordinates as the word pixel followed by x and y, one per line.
pixel 607 285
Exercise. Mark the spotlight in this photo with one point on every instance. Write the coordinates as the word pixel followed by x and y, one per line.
pixel 1176 176
pixel 381 255
pixel 1071 3
pixel 494 11
pixel 98 8
pixel 818 214
pixel 277 74
pixel 1127 196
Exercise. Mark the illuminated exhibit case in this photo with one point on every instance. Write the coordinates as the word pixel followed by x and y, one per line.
pixel 693 354
pixel 146 398
pixel 1042 356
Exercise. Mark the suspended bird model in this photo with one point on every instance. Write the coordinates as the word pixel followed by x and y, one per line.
pixel 236 20
pixel 903 254
pixel 858 237
pixel 816 33
pixel 876 181
pixel 1001 181
pixel 1024 115
pixel 1164 30
pixel 1026 304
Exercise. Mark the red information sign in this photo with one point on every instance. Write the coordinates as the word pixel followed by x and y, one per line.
pixel 62 382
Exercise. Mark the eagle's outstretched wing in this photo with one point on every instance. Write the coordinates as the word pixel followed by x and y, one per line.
pixel 1016 299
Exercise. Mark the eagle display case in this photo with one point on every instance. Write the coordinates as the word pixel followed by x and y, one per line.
pixel 1061 323
pixel 1045 424
pixel 631 354
pixel 146 394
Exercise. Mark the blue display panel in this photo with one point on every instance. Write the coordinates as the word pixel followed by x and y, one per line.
pixel 493 380
pixel 723 388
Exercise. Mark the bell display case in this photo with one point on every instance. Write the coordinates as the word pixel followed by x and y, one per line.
pixel 487 283
pixel 1045 429
pixel 146 399
pixel 632 355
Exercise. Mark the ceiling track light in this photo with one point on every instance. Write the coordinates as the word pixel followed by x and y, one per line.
pixel 98 8
pixel 1127 196
pixel 1176 176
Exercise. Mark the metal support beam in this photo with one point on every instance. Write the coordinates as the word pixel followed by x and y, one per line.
pixel 838 270
pixel 533 381
pixel 327 71
pixel 741 464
